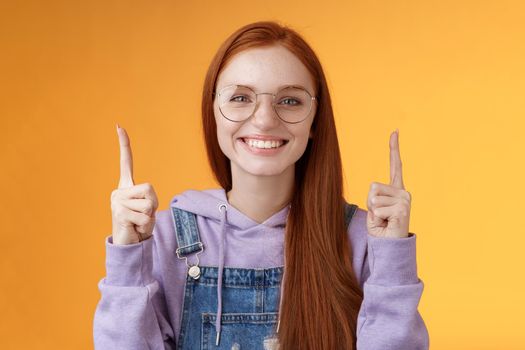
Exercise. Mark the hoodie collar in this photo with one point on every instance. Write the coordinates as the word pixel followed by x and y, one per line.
pixel 206 202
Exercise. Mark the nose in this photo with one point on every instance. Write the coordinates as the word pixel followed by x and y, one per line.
pixel 264 115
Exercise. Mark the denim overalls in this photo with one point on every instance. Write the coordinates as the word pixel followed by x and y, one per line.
pixel 250 297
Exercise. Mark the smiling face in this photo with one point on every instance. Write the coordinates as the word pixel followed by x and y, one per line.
pixel 265 70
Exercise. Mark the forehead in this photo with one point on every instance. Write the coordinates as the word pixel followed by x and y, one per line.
pixel 266 69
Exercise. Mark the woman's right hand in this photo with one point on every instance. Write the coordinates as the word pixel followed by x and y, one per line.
pixel 132 206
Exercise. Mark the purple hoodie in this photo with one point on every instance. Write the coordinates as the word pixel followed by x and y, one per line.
pixel 142 293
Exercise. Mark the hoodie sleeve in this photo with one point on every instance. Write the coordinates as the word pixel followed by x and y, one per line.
pixel 132 311
pixel 389 318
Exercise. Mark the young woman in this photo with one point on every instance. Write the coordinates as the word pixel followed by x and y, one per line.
pixel 275 258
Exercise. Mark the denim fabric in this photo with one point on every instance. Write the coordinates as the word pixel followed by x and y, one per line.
pixel 185 223
pixel 250 302
pixel 250 308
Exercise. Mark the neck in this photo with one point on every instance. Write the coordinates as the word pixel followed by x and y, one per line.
pixel 260 197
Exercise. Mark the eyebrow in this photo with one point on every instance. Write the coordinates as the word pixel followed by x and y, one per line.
pixel 280 87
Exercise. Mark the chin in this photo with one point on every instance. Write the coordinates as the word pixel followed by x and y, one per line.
pixel 263 169
pixel 265 172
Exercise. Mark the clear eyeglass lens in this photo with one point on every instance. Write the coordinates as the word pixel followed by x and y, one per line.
pixel 238 103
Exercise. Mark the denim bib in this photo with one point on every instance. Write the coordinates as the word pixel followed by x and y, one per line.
pixel 250 297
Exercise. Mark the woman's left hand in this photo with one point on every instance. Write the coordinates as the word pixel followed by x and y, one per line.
pixel 389 205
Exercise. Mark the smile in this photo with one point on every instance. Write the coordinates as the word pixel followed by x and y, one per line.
pixel 264 143
pixel 259 147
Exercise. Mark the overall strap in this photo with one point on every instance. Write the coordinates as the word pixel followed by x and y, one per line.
pixel 350 210
pixel 188 239
pixel 186 232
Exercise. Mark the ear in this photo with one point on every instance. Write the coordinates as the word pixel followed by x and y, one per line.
pixel 311 134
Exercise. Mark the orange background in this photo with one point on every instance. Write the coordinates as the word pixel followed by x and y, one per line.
pixel 449 74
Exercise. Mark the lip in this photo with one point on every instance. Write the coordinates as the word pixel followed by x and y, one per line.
pixel 261 151
pixel 263 137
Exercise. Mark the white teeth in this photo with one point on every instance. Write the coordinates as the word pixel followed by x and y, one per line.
pixel 263 144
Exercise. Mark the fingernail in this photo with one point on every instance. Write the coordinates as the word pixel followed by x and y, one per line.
pixel 397 130
pixel 118 127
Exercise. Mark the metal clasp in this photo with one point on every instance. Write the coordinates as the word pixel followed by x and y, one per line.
pixel 194 271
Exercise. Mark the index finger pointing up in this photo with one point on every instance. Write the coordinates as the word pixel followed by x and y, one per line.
pixel 396 176
pixel 126 159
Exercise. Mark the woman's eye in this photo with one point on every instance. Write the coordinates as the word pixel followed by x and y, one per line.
pixel 239 98
pixel 291 101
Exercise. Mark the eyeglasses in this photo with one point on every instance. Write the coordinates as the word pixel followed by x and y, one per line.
pixel 292 104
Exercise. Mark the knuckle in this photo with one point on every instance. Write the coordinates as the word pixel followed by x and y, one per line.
pixel 149 206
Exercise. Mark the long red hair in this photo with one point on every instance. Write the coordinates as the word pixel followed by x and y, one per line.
pixel 321 296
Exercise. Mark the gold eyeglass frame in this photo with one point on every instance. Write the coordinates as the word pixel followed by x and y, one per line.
pixel 314 98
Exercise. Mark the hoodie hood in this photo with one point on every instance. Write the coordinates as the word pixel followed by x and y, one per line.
pixel 205 203
pixel 244 235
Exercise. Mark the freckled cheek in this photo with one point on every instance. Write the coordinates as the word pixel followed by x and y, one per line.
pixel 226 136
pixel 301 134
pixel 301 145
pixel 226 146
pixel 301 140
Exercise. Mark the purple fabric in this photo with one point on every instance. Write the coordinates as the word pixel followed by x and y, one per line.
pixel 222 230
pixel 142 293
